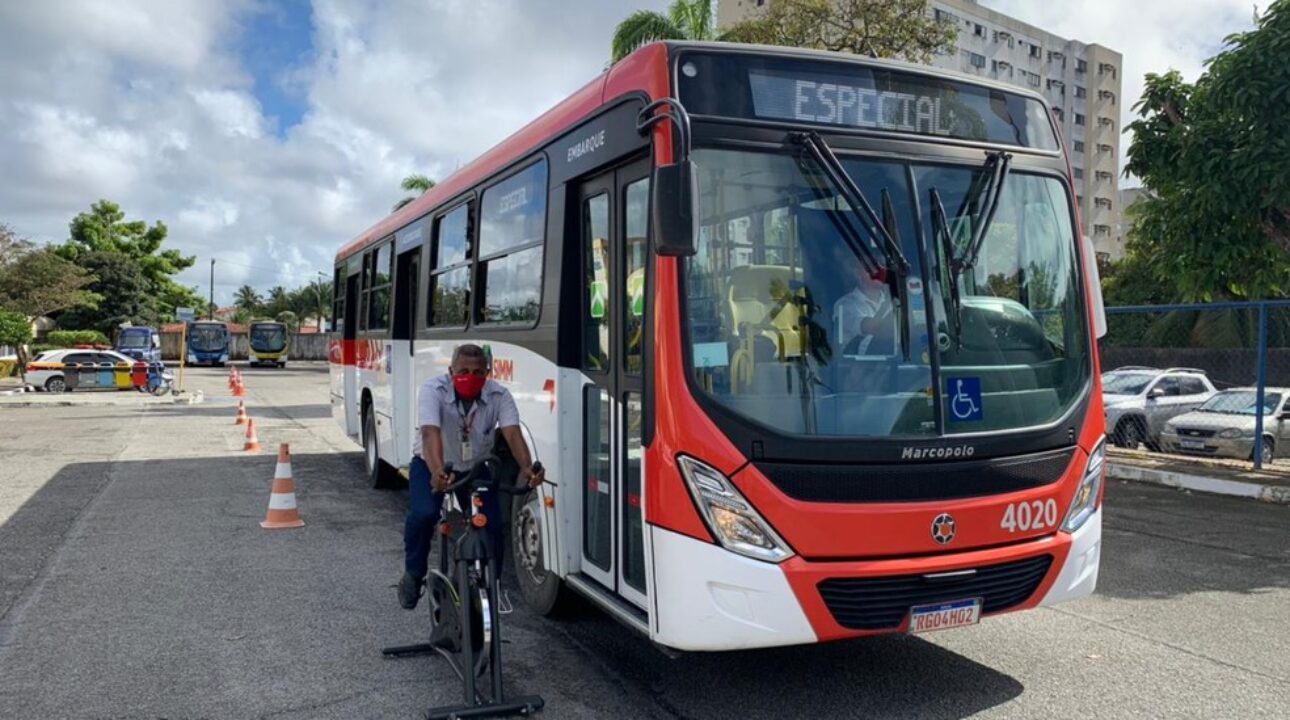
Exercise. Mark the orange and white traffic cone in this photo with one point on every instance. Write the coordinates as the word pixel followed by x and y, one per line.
pixel 241 414
pixel 239 390
pixel 283 512
pixel 252 442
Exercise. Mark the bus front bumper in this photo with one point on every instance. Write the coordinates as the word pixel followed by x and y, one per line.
pixel 712 599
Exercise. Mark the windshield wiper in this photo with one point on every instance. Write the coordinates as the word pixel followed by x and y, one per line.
pixel 997 165
pixel 880 232
pixel 832 167
pixel 987 194
pixel 941 231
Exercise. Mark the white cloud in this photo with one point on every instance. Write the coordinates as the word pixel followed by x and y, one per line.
pixel 145 102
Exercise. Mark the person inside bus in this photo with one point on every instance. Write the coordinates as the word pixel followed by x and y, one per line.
pixel 865 319
pixel 457 415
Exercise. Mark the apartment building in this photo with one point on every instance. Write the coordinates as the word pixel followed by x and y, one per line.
pixel 1081 81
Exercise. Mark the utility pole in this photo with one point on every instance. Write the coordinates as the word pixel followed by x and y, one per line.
pixel 210 308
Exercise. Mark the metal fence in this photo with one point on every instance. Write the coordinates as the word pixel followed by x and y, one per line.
pixel 1190 379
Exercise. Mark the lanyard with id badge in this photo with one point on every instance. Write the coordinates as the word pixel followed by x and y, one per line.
pixel 467 421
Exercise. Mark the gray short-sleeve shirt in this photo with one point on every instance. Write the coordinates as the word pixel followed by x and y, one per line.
pixel 437 406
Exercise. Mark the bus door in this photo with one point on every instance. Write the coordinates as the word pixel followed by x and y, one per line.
pixel 353 423
pixel 614 208
pixel 405 298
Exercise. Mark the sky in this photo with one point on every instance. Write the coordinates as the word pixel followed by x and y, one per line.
pixel 266 134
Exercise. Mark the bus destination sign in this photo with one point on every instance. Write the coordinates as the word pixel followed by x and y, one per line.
pixel 860 96
pixel 842 103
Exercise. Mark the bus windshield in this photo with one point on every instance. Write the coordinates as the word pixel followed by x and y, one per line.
pixel 207 338
pixel 788 326
pixel 268 337
pixel 133 339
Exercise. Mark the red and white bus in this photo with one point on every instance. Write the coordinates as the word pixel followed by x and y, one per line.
pixel 806 341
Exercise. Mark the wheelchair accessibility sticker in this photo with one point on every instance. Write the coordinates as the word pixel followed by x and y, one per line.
pixel 964 395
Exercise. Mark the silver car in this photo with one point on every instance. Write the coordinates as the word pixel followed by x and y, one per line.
pixel 1224 426
pixel 1139 400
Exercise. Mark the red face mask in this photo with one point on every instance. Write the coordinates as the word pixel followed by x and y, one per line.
pixel 469 386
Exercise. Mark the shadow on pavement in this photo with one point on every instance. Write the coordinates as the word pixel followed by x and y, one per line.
pixel 885 676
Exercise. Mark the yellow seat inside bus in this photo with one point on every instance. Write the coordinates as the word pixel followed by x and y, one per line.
pixel 760 298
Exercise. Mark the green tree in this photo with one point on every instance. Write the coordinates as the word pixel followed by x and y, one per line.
pixel 246 298
pixel 901 29
pixel 1215 157
pixel 104 229
pixel 278 301
pixel 15 331
pixel 416 183
pixel 124 295
pixel 312 300
pixel 39 282
pixel 685 20
pixel 290 319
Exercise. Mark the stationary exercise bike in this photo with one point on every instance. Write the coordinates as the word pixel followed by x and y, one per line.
pixel 464 616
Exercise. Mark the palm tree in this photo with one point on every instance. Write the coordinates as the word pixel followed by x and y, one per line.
pixel 685 20
pixel 247 298
pixel 278 301
pixel 416 183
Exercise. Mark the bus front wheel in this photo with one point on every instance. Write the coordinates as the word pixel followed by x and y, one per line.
pixel 543 591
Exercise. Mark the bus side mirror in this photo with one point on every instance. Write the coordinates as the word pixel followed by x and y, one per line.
pixel 673 209
pixel 1095 289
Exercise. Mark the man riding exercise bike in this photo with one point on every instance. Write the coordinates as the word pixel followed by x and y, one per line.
pixel 464 418
pixel 457 414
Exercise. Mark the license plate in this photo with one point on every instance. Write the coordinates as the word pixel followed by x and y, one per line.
pixel 943 616
pixel 1192 444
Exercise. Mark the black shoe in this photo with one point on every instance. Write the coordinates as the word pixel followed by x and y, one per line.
pixel 409 591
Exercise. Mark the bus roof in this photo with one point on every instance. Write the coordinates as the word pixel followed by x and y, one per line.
pixel 645 70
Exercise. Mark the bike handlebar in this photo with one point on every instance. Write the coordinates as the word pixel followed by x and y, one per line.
pixel 474 476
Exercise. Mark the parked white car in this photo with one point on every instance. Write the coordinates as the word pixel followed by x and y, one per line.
pixel 1224 426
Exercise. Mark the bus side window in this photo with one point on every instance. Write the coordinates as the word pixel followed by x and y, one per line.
pixel 338 300
pixel 449 290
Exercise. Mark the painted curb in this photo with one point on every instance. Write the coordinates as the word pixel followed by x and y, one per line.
pixel 190 399
pixel 1200 483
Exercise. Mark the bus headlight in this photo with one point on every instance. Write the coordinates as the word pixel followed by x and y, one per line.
pixel 1090 487
pixel 732 520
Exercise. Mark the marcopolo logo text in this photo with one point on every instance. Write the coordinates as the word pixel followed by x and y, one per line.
pixel 937 453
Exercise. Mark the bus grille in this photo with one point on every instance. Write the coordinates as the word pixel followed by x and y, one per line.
pixel 916 482
pixel 881 603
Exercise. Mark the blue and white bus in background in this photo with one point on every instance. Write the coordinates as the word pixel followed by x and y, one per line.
pixel 207 343
pixel 139 342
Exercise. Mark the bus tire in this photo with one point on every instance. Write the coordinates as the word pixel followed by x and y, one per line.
pixel 543 590
pixel 380 476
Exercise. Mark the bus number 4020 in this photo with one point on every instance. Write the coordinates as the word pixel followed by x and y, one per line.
pixel 1035 515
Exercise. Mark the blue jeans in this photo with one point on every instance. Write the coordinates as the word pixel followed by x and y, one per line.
pixel 424 506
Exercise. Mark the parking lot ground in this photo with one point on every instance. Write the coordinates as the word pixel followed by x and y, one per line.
pixel 135 582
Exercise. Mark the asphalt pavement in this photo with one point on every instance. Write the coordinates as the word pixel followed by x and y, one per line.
pixel 135 582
